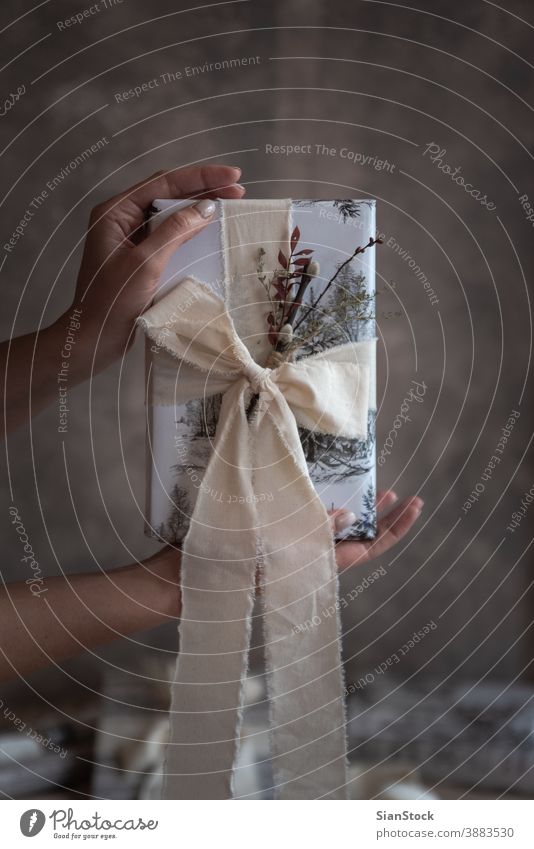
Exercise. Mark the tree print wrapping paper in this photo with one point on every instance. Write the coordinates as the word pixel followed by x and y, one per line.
pixel 180 436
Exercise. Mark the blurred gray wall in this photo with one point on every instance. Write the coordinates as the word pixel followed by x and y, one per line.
pixel 377 80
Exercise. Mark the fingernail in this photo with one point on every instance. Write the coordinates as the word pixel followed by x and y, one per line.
pixel 236 168
pixel 205 208
pixel 239 186
pixel 344 519
pixel 418 504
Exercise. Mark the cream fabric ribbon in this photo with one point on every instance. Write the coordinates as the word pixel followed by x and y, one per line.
pixel 257 517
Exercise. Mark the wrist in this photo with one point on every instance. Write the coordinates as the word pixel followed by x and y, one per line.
pixel 65 340
pixel 89 343
pixel 157 582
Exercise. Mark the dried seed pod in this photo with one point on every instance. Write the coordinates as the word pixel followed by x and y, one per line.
pixel 285 335
pixel 313 269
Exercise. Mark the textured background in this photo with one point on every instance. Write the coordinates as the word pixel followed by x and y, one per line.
pixel 379 79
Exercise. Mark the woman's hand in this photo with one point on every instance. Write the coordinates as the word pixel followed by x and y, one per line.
pixel 88 610
pixel 120 269
pixel 116 283
pixel 392 527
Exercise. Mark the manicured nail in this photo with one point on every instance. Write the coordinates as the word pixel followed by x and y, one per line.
pixel 344 519
pixel 205 208
pixel 418 503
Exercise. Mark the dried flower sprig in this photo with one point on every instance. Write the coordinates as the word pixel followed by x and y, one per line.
pixel 297 270
pixel 292 274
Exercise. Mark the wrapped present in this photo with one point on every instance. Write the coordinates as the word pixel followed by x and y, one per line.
pixel 261 382
pixel 181 435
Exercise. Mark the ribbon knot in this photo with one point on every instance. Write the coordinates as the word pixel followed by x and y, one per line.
pixel 258 376
pixel 257 505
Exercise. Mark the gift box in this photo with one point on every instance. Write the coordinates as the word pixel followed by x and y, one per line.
pixel 261 388
pixel 335 306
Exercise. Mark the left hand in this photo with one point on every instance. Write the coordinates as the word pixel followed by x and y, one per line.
pixel 120 269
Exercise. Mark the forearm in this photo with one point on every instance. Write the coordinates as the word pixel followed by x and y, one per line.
pixel 84 611
pixel 37 369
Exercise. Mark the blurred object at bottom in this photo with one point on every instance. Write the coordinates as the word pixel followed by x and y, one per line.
pixel 45 752
pixel 475 736
pixel 405 742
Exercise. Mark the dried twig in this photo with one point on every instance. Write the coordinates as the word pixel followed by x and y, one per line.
pixel 359 250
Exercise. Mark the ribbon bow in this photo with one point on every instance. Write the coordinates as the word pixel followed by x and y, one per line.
pixel 232 544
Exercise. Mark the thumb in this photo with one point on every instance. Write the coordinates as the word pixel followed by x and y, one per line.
pixel 156 250
pixel 341 519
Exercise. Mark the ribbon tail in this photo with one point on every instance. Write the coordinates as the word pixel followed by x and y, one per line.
pixel 218 586
pixel 301 623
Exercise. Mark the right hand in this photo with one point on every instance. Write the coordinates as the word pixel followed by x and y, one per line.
pixel 392 527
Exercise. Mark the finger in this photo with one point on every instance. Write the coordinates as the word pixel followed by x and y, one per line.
pixel 129 207
pixel 350 554
pixel 229 193
pixel 233 192
pixel 341 519
pixel 155 251
pixel 180 183
pixel 398 512
pixel 391 530
pixel 385 498
pixel 393 527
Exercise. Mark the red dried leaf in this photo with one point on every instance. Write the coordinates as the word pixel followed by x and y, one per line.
pixel 305 252
pixel 295 236
pixel 302 261
pixel 270 318
pixel 282 259
pixel 280 290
